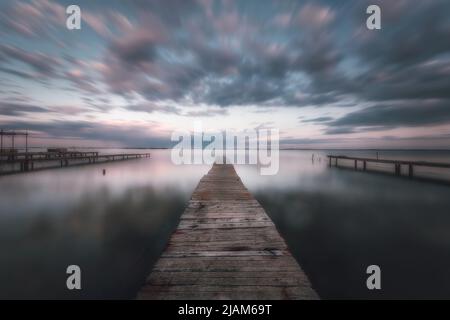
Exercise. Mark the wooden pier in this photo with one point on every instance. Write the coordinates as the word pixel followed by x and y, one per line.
pixel 16 162
pixel 397 164
pixel 226 247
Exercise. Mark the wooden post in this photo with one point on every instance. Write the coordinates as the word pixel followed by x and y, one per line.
pixel 364 165
pixel 410 170
pixel 356 164
pixel 329 161
pixel 397 169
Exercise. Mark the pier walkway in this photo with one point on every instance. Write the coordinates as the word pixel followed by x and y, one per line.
pixel 226 247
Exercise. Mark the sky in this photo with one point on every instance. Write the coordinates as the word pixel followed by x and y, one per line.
pixel 139 70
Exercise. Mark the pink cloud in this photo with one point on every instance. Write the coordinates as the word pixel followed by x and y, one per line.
pixel 315 16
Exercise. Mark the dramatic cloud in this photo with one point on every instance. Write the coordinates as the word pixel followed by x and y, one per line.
pixel 222 58
pixel 15 109
pixel 211 112
pixel 31 19
pixel 317 120
pixel 137 136
pixel 82 80
pixel 43 64
pixel 150 108
pixel 394 114
pixel 199 58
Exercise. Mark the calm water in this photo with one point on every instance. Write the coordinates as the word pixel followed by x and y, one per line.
pixel 336 223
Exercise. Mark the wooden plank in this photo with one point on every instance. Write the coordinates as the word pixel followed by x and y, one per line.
pixel 233 218
pixel 226 247
pixel 231 278
pixel 254 292
pixel 236 264
pixel 221 246
pixel 224 225
pixel 240 238
pixel 229 253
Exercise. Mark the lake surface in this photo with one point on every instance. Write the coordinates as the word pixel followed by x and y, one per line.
pixel 114 226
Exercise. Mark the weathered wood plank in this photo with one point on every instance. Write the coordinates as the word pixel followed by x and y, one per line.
pixel 255 292
pixel 224 225
pixel 231 253
pixel 226 247
pixel 231 278
pixel 237 264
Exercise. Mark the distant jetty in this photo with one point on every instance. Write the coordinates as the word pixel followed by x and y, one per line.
pixel 12 161
pixel 401 168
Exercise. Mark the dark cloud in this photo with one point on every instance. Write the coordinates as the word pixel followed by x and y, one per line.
pixel 24 106
pixel 82 81
pixel 341 130
pixel 411 32
pixel 137 48
pixel 308 67
pixel 41 63
pixel 208 112
pixel 317 120
pixel 408 58
pixel 17 73
pixel 137 136
pixel 429 80
pixel 16 109
pixel 392 115
pixel 150 108
pixel 197 57
pixel 224 54
pixel 31 19
pixel 218 54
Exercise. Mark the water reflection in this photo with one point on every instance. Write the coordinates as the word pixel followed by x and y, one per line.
pixel 337 222
pixel 114 226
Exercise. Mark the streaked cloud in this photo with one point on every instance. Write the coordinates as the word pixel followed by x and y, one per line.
pixel 206 58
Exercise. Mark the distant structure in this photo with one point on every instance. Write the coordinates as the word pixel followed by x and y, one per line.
pixel 12 134
pixel 14 161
